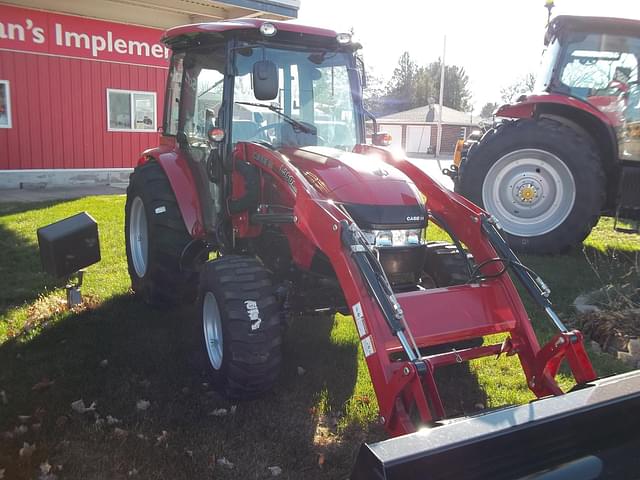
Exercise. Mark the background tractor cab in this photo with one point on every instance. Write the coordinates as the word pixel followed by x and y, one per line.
pixel 570 151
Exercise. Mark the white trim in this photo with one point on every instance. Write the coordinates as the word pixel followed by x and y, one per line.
pixel 82 58
pixel 7 99
pixel 153 129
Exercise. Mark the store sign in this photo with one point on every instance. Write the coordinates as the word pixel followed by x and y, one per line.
pixel 36 31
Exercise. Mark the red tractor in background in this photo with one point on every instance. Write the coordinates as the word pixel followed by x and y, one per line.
pixel 263 200
pixel 569 153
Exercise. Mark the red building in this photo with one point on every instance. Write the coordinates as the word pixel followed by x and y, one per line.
pixel 82 83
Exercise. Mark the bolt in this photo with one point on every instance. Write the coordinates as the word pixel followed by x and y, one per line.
pixel 295 219
pixel 335 227
pixel 382 420
pixel 406 371
pixel 532 382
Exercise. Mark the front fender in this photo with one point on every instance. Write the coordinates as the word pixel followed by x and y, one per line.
pixel 176 168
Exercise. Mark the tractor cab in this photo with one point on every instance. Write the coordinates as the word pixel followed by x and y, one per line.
pixel 596 60
pixel 275 84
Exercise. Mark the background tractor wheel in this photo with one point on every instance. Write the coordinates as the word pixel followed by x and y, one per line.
pixel 242 326
pixel 542 181
pixel 155 237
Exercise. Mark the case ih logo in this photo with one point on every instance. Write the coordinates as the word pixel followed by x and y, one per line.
pixel 66 35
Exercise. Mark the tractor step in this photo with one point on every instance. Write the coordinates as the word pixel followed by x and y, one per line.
pixel 590 433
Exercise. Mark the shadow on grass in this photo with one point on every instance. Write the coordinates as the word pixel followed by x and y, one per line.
pixel 21 276
pixel 158 356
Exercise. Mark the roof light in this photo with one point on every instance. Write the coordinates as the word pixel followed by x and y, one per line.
pixel 343 38
pixel 268 29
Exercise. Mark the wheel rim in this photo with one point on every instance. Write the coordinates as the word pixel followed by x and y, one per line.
pixel 530 192
pixel 138 237
pixel 212 325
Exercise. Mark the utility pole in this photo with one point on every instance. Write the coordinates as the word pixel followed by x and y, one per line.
pixel 442 69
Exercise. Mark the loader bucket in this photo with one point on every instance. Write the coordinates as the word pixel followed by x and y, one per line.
pixel 591 433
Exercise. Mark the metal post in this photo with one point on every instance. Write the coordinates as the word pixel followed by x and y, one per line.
pixel 442 70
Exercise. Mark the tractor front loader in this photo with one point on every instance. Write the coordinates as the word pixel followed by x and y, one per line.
pixel 263 162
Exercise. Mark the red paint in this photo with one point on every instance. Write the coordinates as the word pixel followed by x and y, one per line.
pixel 527 107
pixel 175 166
pixel 68 35
pixel 245 24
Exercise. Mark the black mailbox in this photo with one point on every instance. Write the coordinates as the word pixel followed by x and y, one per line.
pixel 69 245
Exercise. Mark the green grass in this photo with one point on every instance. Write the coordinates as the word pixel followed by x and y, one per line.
pixel 157 356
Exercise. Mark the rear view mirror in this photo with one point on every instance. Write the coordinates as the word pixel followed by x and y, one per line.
pixel 265 80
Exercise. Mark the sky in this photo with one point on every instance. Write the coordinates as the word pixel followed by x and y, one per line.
pixel 496 41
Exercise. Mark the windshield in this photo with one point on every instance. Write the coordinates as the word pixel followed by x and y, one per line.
pixel 597 64
pixel 547 63
pixel 315 91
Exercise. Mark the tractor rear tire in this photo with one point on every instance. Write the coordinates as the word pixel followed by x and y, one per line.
pixel 155 238
pixel 242 325
pixel 542 180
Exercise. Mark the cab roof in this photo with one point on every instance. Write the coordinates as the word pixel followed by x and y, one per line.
pixel 617 26
pixel 247 24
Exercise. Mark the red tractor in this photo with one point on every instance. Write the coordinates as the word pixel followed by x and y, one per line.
pixel 569 153
pixel 263 167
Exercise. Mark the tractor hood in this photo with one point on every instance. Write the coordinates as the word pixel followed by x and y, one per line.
pixel 375 194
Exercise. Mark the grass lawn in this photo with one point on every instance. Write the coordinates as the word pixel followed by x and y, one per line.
pixel 118 352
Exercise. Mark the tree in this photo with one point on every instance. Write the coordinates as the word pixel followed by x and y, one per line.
pixel 411 86
pixel 488 109
pixel 521 86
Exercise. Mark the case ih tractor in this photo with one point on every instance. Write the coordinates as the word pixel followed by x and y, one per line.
pixel 570 152
pixel 262 166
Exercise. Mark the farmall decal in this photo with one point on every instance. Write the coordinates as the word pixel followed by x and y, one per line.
pixel 23 29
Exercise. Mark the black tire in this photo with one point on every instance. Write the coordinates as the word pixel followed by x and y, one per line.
pixel 553 141
pixel 251 355
pixel 162 282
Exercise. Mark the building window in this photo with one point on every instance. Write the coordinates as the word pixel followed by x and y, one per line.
pixel 5 104
pixel 130 111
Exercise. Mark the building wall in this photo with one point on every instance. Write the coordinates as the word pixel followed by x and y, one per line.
pixel 59 112
pixel 450 134
pixel 58 89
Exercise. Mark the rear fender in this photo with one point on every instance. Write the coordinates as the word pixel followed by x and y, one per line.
pixel 176 168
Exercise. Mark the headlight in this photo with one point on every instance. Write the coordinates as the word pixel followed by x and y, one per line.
pixel 394 238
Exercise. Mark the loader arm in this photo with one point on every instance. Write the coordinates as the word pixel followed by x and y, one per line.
pixel 405 323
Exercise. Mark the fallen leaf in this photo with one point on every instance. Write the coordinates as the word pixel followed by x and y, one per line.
pixel 142 405
pixel 112 420
pixel 301 371
pixel 104 363
pixel 3 397
pixel 223 462
pixel 43 384
pixel 45 467
pixel 119 432
pixel 274 471
pixel 218 412
pixel 162 438
pixel 80 407
pixel 27 450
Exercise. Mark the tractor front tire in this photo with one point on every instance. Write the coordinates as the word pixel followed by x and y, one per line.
pixel 242 325
pixel 155 238
pixel 542 180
